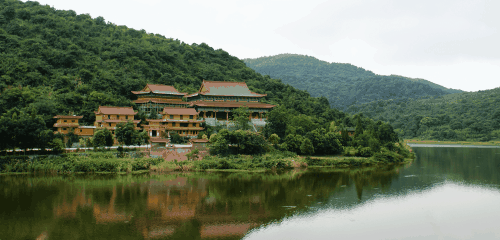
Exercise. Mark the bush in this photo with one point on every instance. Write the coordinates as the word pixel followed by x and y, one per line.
pixel 387 156
pixel 313 161
pixel 364 152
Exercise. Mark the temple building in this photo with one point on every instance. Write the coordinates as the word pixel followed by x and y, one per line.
pixel 216 100
pixel 67 124
pixel 109 117
pixel 157 96
pixel 184 121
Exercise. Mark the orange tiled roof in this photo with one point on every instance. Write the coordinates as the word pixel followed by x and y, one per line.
pixel 217 88
pixel 159 89
pixel 116 110
pixel 180 111
pixel 232 104
pixel 73 117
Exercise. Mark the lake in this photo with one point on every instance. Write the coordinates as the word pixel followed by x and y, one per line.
pixel 446 193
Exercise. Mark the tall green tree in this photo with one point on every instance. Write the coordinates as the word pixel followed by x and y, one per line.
pixel 126 134
pixel 102 137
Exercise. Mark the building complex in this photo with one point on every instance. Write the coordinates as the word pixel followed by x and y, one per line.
pixel 176 112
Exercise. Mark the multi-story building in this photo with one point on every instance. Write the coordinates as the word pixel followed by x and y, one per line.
pixel 70 124
pixel 184 121
pixel 66 124
pixel 217 100
pixel 157 96
pixel 109 117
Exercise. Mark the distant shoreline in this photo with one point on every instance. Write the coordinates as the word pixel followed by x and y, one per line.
pixel 450 145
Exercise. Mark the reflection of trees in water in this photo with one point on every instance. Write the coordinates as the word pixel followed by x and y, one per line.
pixel 470 165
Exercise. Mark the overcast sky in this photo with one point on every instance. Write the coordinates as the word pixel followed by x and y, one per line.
pixel 453 43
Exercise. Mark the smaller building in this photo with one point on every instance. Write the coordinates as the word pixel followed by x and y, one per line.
pixel 184 121
pixel 66 124
pixel 109 117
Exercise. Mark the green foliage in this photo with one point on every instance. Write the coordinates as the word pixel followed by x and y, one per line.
pixel 88 162
pixel 57 145
pixel 176 138
pixel 193 155
pixel 127 134
pixel 102 137
pixel 306 147
pixel 153 114
pixel 240 117
pixel 274 139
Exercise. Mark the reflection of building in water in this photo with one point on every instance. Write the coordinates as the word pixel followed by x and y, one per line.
pixel 102 213
pixel 173 203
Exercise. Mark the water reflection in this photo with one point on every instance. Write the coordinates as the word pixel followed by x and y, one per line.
pixel 448 211
pixel 433 193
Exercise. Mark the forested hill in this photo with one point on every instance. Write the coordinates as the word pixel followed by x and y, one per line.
pixel 343 84
pixel 459 116
pixel 59 62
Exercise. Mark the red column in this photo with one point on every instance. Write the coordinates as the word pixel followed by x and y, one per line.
pixel 227 116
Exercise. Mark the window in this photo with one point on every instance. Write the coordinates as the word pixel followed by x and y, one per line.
pixel 109 124
pixel 80 130
pixel 182 117
pixel 173 124
pixel 171 116
pixel 64 129
pixel 194 124
pixel 109 116
pixel 190 116
pixel 65 120
pixel 126 117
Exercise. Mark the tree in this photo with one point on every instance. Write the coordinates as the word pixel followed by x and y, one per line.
pixel 153 114
pixel 57 145
pixel 307 147
pixel 240 117
pixel 102 137
pixel 176 138
pixel 126 134
pixel 274 139
pixel 193 155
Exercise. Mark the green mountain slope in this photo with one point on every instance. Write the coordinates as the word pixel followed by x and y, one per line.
pixel 343 84
pixel 459 116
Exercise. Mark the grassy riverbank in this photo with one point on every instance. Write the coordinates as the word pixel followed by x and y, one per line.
pixel 417 141
pixel 133 162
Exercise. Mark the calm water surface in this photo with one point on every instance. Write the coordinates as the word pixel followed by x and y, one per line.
pixel 447 193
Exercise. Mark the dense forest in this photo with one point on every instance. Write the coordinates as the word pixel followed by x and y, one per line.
pixel 459 116
pixel 59 62
pixel 343 84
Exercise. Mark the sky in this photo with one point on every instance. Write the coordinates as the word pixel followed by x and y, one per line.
pixel 454 43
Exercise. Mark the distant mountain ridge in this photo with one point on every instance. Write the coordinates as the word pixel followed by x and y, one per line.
pixel 343 84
